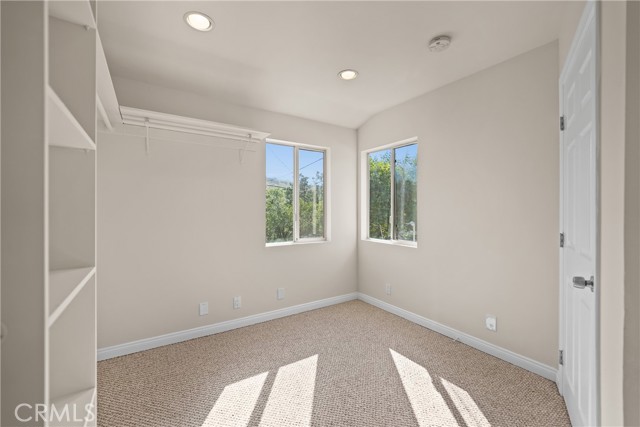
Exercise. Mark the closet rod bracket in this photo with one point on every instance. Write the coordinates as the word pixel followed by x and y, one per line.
pixel 243 150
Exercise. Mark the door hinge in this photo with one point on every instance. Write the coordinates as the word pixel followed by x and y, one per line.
pixel 561 357
pixel 561 122
pixel 562 240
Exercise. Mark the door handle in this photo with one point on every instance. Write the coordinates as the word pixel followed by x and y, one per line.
pixel 581 283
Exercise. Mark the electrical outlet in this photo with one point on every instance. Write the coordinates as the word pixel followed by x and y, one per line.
pixel 237 302
pixel 280 293
pixel 491 322
pixel 387 288
pixel 204 308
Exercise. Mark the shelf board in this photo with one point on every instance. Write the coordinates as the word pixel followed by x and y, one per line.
pixel 75 11
pixel 64 129
pixel 78 401
pixel 64 285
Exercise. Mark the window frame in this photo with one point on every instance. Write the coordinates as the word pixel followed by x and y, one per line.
pixel 365 197
pixel 296 239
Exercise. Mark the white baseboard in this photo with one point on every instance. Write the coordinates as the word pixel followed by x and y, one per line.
pixel 499 352
pixel 175 337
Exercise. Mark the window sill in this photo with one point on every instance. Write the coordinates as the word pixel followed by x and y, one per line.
pixel 404 243
pixel 300 242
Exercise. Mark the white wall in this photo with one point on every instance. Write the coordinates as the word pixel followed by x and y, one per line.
pixel 185 223
pixel 487 208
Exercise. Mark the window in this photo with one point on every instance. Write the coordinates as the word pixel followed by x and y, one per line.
pixel 295 193
pixel 392 186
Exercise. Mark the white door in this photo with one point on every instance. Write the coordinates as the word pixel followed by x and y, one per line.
pixel 578 93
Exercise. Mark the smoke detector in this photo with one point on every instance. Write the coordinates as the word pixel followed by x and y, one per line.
pixel 439 43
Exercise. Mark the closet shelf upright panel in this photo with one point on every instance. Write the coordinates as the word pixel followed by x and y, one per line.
pixel 71 126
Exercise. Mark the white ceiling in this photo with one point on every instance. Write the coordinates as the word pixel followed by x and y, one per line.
pixel 285 56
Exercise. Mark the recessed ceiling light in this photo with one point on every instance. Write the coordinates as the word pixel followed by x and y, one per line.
pixel 198 21
pixel 348 74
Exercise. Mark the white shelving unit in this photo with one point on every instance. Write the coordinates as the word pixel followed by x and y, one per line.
pixel 56 80
pixel 71 132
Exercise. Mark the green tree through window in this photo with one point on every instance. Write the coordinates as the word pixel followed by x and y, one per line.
pixel 311 193
pixel 405 192
pixel 393 215
pixel 287 200
pixel 380 195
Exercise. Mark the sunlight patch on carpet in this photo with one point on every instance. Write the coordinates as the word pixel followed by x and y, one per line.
pixel 465 404
pixel 236 402
pixel 428 404
pixel 291 399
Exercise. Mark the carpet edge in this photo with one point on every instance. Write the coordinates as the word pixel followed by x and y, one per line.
pixel 215 328
pixel 523 362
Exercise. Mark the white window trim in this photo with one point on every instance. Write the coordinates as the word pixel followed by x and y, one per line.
pixel 327 194
pixel 364 194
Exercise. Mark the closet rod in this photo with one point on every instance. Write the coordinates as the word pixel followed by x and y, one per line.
pixel 191 127
pixel 180 141
pixel 161 126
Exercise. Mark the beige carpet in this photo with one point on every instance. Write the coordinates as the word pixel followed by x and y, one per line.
pixel 351 364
